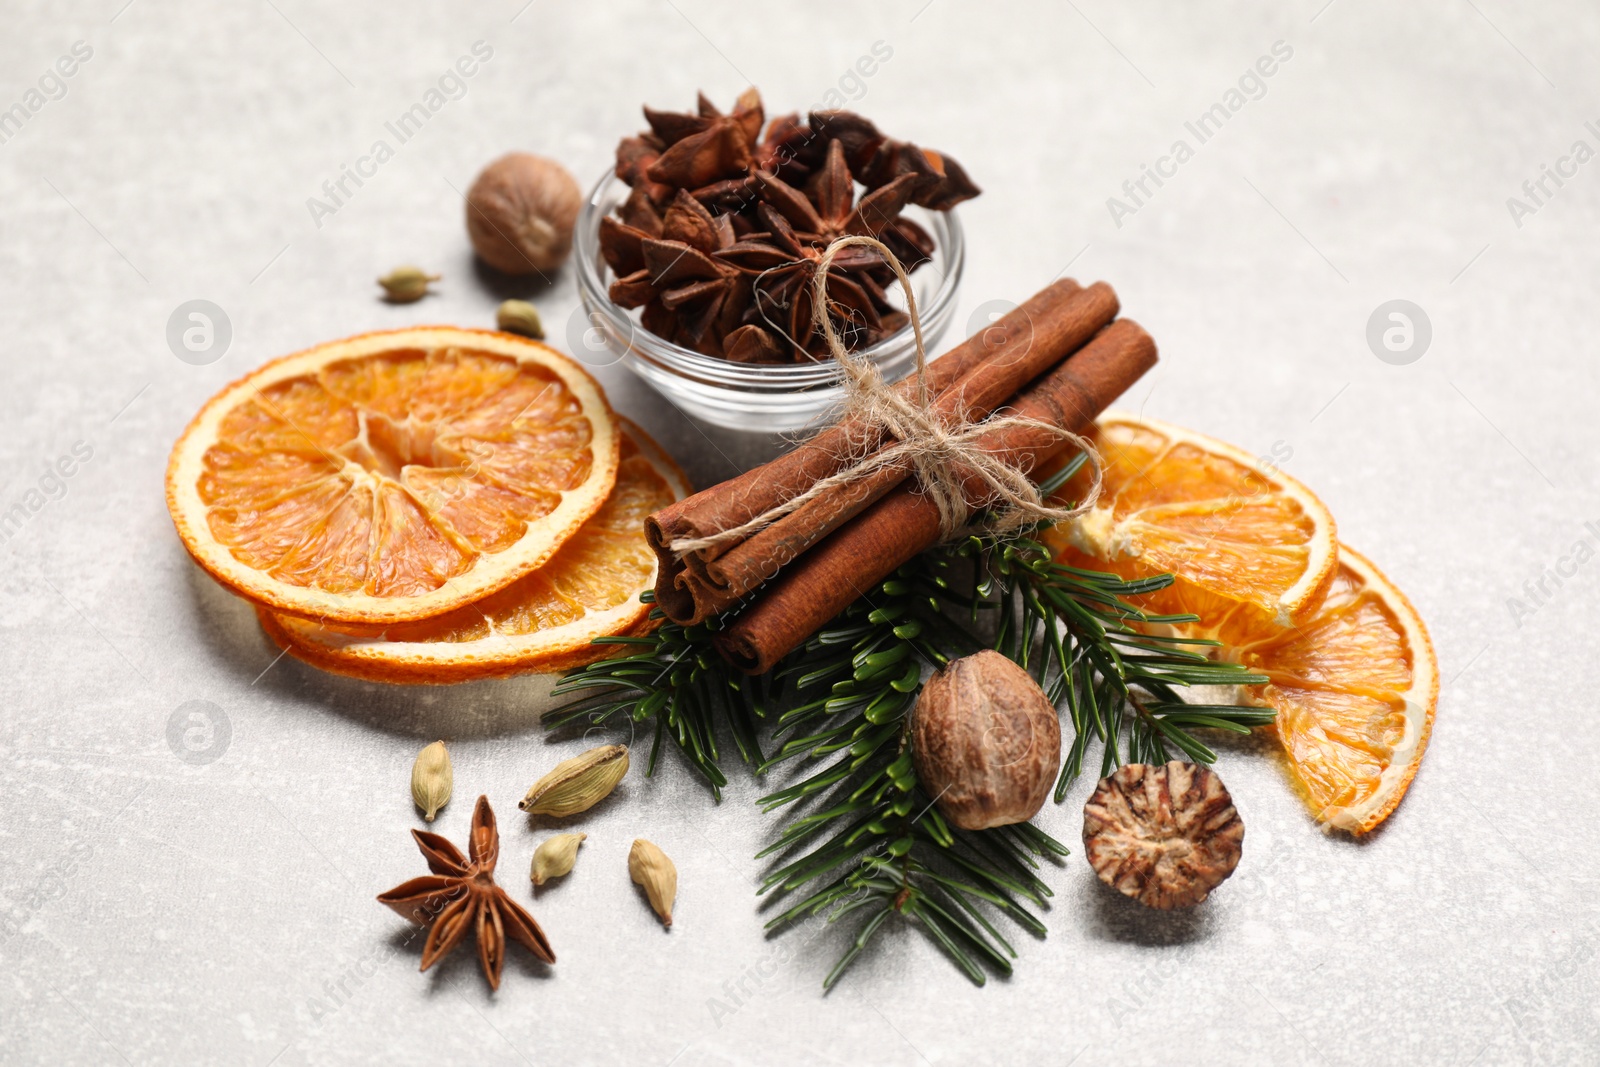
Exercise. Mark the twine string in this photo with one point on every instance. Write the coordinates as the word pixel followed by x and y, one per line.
pixel 943 456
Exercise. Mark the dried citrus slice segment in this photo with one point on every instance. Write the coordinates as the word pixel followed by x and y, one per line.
pixel 392 476
pixel 1250 548
pixel 1355 687
pixel 542 622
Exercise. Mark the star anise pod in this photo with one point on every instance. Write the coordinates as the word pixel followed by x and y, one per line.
pixel 635 156
pixel 781 265
pixel 720 236
pixel 798 227
pixel 876 160
pixel 790 149
pixel 707 146
pixel 461 895
pixel 692 298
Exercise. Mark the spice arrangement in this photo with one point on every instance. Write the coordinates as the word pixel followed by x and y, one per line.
pixel 728 216
pixel 1184 563
pixel 937 606
pixel 461 892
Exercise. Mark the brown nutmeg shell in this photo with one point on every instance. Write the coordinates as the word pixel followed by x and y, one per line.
pixel 986 742
pixel 521 212
pixel 1164 834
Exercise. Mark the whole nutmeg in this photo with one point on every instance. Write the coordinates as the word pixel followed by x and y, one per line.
pixel 520 213
pixel 986 742
pixel 1164 835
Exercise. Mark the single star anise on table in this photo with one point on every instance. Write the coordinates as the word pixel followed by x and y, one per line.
pixel 720 236
pixel 461 895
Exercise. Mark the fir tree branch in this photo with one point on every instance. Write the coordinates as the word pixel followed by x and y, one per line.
pixel 862 839
pixel 677 680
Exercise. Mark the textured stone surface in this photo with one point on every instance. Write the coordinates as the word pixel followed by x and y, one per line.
pixel 159 910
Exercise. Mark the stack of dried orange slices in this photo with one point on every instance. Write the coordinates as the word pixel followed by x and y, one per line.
pixel 1254 555
pixel 424 505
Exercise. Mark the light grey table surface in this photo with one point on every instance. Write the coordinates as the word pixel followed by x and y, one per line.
pixel 154 909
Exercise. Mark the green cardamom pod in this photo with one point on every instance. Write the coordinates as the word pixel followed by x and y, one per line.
pixel 650 868
pixel 519 316
pixel 579 783
pixel 432 779
pixel 555 856
pixel 406 284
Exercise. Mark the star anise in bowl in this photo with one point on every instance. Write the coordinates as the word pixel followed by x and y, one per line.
pixel 728 215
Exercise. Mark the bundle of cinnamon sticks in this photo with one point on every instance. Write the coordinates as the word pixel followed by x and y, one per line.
pixel 1060 358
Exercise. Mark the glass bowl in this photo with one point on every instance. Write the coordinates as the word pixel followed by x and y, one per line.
pixel 770 398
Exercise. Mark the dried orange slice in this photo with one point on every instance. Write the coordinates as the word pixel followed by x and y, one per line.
pixel 1355 687
pixel 1251 549
pixel 544 621
pixel 392 476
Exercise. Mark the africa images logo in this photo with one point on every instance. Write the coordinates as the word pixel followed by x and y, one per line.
pixel 50 486
pixel 1252 85
pixel 451 85
pixel 51 85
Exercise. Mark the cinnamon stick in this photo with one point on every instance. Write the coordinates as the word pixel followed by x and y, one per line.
pixel 968 382
pixel 738 500
pixel 858 556
pixel 973 397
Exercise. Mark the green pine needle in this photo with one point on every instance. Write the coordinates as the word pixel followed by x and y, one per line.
pixel 861 842
pixel 677 680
